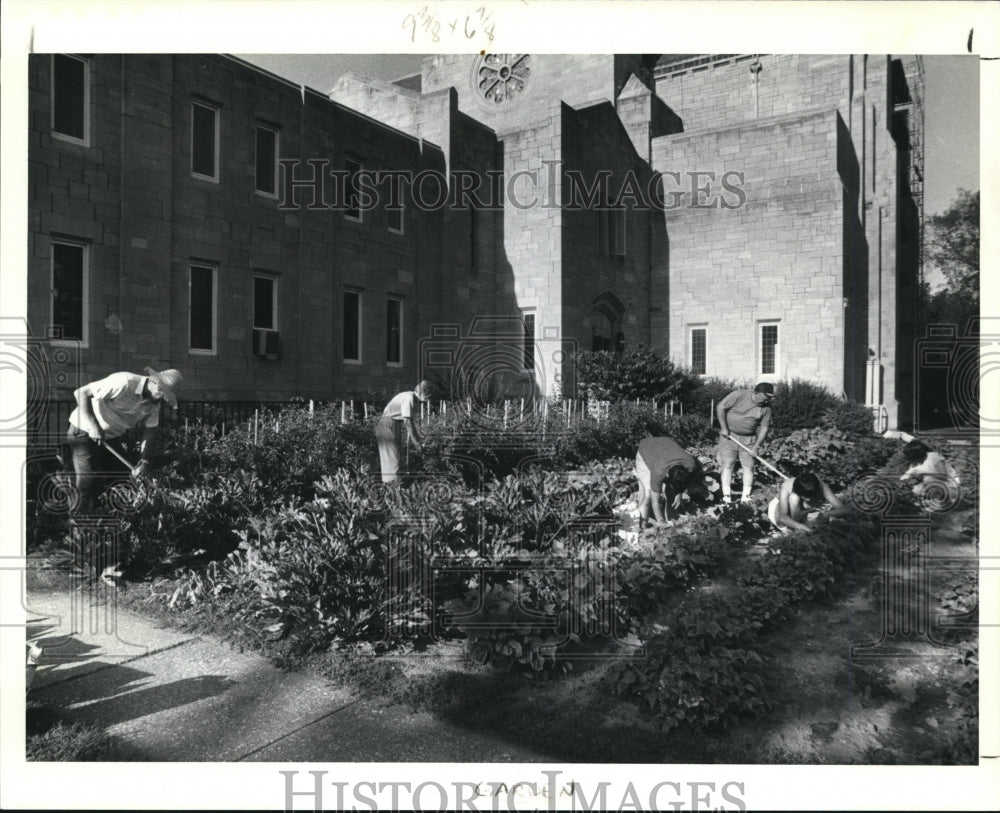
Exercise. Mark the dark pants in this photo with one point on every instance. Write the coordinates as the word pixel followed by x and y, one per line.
pixel 94 467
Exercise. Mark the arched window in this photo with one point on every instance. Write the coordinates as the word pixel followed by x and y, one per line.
pixel 606 321
pixel 603 331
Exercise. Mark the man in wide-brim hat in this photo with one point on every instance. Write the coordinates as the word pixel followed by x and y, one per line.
pixel 106 410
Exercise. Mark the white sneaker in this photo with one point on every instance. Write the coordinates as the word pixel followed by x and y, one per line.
pixel 726 499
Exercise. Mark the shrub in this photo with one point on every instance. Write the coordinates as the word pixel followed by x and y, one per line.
pixel 619 435
pixel 636 372
pixel 854 419
pixel 703 398
pixel 799 404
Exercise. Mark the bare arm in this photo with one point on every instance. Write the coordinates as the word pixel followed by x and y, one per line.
pixel 146 444
pixel 656 491
pixel 412 433
pixel 84 395
pixel 720 412
pixel 762 430
pixel 784 509
pixel 837 507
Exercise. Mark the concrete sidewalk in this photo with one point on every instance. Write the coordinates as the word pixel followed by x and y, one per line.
pixel 170 696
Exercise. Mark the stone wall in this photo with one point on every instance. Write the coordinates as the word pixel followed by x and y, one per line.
pixel 715 95
pixel 764 246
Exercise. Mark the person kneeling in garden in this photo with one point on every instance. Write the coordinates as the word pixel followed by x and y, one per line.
pixel 929 468
pixel 389 430
pixel 797 497
pixel 661 464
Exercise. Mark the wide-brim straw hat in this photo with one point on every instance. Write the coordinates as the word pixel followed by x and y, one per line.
pixel 169 381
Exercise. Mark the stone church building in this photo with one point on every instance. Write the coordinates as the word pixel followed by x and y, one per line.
pixel 753 216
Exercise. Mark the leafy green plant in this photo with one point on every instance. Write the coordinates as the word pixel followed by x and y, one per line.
pixel 636 372
pixel 807 449
pixel 704 668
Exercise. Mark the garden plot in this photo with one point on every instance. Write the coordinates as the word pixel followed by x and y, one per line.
pixel 557 629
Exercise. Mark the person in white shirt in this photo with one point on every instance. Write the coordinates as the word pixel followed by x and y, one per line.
pixel 106 410
pixel 398 413
pixel 929 468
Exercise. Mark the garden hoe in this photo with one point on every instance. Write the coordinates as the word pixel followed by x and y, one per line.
pixel 777 471
pixel 121 457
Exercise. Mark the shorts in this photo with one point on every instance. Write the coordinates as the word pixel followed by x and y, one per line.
pixel 728 451
pixel 772 514
pixel 644 475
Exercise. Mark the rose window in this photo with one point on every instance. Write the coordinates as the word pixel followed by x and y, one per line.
pixel 502 77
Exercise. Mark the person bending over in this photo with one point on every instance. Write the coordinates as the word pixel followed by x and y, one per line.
pixel 797 497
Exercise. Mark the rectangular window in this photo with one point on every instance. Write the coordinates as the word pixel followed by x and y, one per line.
pixel 602 231
pixel 69 290
pixel 394 330
pixel 394 218
pixel 265 303
pixel 70 97
pixel 699 350
pixel 201 309
pixel 529 341
pixel 394 212
pixel 352 203
pixel 621 235
pixel 473 241
pixel 768 349
pixel 266 156
pixel 352 326
pixel 204 140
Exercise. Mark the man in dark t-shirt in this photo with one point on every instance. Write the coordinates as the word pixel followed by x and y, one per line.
pixel 746 416
pixel 661 464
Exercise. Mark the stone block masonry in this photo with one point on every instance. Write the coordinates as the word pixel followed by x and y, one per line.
pixel 769 253
pixel 128 195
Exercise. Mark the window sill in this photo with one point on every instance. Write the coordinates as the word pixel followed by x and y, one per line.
pixel 68 139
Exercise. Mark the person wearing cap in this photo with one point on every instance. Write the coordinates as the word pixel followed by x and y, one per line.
pixel 106 410
pixel 744 415
pixel 389 429
pixel 664 466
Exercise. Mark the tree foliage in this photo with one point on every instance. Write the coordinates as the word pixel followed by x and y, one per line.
pixel 952 245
